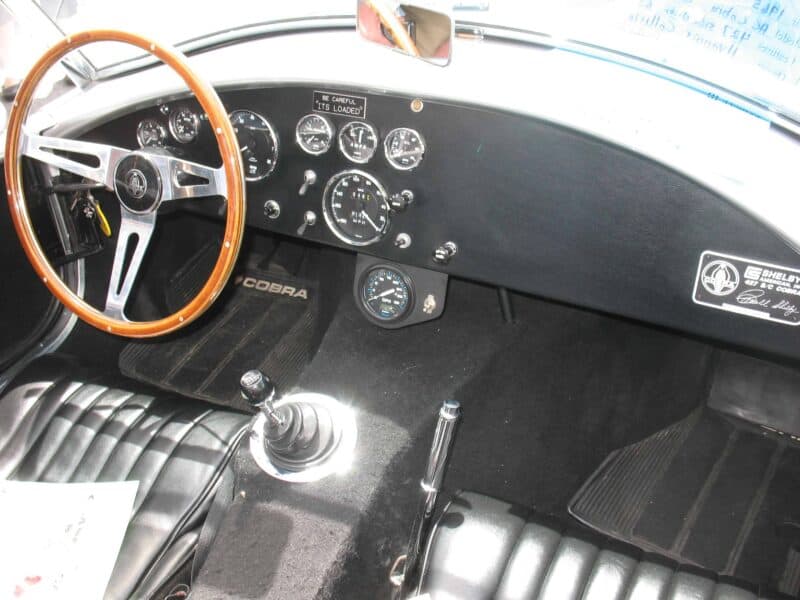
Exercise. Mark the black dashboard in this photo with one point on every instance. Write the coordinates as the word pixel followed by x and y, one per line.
pixel 481 194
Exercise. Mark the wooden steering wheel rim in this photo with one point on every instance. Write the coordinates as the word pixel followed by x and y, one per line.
pixel 231 161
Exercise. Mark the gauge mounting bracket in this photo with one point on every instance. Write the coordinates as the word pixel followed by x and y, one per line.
pixel 428 292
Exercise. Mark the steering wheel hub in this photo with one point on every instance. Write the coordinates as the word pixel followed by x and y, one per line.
pixel 138 184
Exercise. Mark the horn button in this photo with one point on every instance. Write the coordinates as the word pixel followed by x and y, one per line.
pixel 138 184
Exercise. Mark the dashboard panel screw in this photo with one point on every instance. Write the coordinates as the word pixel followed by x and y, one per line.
pixel 417 105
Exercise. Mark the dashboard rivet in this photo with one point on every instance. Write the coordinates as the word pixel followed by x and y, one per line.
pixel 417 105
pixel 180 318
pixel 227 244
pixel 219 130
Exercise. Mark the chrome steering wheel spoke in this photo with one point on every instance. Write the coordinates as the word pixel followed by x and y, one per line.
pixel 50 150
pixel 134 229
pixel 142 181
pixel 183 179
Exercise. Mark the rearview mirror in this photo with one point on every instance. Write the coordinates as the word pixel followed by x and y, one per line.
pixel 412 29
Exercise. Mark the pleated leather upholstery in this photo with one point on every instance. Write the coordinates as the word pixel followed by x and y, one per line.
pixel 59 425
pixel 483 548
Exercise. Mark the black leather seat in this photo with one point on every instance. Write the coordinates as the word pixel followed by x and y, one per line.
pixel 58 424
pixel 485 548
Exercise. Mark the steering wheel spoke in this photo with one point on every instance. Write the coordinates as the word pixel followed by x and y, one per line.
pixel 141 179
pixel 99 159
pixel 183 179
pixel 135 231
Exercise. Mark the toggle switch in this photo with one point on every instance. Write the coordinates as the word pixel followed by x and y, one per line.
pixel 309 179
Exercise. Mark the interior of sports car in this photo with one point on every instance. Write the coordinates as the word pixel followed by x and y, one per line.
pixel 407 302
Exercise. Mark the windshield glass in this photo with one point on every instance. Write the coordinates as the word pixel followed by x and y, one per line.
pixel 751 47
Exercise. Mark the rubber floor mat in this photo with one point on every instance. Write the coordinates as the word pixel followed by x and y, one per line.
pixel 711 491
pixel 266 320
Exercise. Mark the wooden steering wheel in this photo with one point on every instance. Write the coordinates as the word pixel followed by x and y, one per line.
pixel 142 182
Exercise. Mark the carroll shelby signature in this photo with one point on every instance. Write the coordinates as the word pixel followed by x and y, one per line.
pixel 757 298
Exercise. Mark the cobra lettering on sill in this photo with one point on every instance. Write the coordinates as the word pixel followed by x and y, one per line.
pixel 748 287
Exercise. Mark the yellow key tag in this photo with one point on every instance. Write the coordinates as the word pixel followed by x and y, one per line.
pixel 102 221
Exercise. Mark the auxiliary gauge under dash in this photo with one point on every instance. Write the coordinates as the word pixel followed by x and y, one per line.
pixel 386 293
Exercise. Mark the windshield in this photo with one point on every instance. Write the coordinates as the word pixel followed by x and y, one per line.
pixel 751 47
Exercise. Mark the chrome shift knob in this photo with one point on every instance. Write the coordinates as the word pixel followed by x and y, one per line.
pixel 259 392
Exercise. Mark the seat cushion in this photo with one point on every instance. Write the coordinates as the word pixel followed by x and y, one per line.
pixel 58 423
pixel 485 548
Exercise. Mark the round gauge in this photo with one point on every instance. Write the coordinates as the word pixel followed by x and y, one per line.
pixel 314 134
pixel 356 208
pixel 404 148
pixel 258 143
pixel 150 133
pixel 386 293
pixel 184 125
pixel 358 141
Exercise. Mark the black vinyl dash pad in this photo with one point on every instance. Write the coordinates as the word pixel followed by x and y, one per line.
pixel 711 491
pixel 266 320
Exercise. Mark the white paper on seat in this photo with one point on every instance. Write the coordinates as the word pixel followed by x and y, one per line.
pixel 61 540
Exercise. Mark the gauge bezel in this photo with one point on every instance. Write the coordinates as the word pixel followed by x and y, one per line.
pixel 406 280
pixel 390 160
pixel 173 114
pixel 331 130
pixel 333 226
pixel 340 135
pixel 276 142
pixel 162 136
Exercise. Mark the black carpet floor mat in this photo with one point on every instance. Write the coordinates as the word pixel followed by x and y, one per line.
pixel 264 320
pixel 710 490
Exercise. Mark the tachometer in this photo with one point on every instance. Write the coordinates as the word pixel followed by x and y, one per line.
pixel 258 144
pixel 386 293
pixel 404 148
pixel 358 141
pixel 184 124
pixel 356 207
pixel 314 134
pixel 150 133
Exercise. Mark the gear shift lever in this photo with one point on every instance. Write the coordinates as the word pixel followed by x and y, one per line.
pixel 295 433
pixel 259 391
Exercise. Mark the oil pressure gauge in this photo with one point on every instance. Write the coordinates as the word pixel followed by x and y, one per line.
pixel 404 148
pixel 314 134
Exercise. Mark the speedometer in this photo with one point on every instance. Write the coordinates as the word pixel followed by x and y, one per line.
pixel 356 207
pixel 258 143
